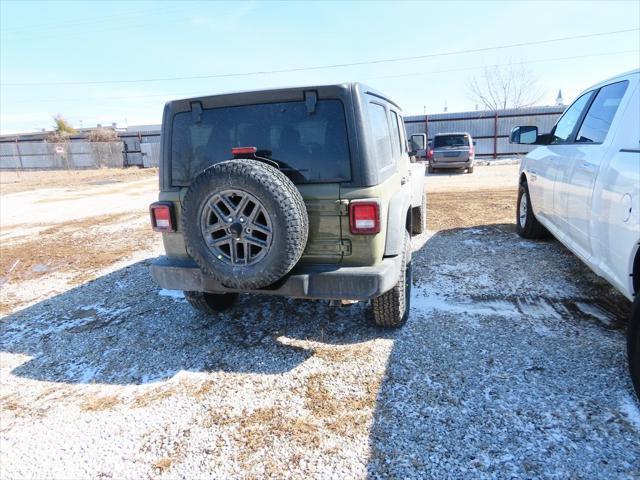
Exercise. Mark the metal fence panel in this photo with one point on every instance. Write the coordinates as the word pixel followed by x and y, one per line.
pixel 71 155
pixel 491 133
pixel 150 154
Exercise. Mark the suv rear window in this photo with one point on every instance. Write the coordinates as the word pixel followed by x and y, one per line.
pixel 310 147
pixel 443 141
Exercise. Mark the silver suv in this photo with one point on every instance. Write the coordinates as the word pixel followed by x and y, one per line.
pixel 451 150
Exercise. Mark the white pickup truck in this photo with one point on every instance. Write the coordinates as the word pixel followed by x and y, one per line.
pixel 583 185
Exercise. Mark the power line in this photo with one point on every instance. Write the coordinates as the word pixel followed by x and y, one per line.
pixel 524 62
pixel 432 72
pixel 323 67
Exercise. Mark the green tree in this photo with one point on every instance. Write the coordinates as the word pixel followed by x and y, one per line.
pixel 62 125
pixel 61 131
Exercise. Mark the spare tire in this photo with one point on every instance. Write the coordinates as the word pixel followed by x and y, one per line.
pixel 244 223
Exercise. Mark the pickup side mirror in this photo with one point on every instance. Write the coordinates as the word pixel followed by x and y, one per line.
pixel 524 135
pixel 417 141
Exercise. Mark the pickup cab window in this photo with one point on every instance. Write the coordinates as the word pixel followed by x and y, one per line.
pixel 567 123
pixel 601 112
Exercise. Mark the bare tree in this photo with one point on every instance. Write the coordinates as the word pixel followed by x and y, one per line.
pixel 505 86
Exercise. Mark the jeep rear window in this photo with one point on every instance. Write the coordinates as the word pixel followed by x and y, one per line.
pixel 309 147
pixel 443 141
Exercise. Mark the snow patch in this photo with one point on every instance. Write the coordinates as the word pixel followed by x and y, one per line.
pixel 629 407
pixel 595 312
pixel 175 294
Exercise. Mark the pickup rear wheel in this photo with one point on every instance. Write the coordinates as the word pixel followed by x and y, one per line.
pixel 391 309
pixel 210 303
pixel 527 224
pixel 633 344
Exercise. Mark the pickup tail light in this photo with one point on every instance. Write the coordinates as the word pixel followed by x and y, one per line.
pixel 162 217
pixel 364 218
pixel 430 153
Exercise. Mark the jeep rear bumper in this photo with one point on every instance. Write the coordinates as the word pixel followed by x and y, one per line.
pixel 327 282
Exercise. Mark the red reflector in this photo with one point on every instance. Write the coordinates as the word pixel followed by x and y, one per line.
pixel 162 217
pixel 243 150
pixel 364 217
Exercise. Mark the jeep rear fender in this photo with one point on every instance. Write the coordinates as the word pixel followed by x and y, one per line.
pixel 399 206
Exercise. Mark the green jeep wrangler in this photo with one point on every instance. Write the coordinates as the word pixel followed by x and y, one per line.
pixel 300 192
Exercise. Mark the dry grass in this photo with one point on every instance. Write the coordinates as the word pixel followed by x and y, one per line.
pixel 342 354
pixel 147 398
pixel 461 209
pixel 96 404
pixel 80 248
pixel 16 181
pixel 264 428
pixel 162 465
pixel 21 409
pixel 346 416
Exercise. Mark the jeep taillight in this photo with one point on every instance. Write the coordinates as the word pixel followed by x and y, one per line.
pixel 364 217
pixel 471 152
pixel 239 151
pixel 162 218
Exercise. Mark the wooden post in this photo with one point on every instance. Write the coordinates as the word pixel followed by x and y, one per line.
pixel 19 154
pixel 495 135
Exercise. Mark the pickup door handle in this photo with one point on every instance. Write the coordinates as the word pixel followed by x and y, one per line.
pixel 403 180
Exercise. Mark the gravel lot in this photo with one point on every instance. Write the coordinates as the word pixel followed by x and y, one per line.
pixel 512 364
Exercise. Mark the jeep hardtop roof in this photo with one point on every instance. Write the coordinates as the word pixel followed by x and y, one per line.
pixel 247 97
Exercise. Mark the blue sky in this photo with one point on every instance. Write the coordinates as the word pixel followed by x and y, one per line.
pixel 45 42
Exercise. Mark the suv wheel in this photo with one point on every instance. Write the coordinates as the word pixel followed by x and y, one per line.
pixel 527 224
pixel 210 303
pixel 245 223
pixel 633 344
pixel 391 309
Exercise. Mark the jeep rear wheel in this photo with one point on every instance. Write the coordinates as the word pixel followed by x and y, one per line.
pixel 391 309
pixel 245 223
pixel 211 303
pixel 419 217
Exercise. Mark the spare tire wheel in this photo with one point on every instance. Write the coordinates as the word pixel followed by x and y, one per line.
pixel 245 223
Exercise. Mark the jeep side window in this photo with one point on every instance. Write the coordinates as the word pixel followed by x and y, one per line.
pixel 397 141
pixel 403 135
pixel 381 135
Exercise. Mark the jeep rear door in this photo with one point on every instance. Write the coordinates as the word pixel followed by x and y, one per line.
pixel 308 142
